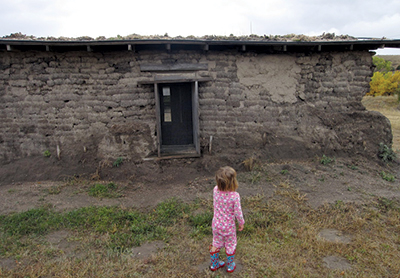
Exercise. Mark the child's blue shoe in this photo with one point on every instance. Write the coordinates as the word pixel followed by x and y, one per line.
pixel 231 264
pixel 215 262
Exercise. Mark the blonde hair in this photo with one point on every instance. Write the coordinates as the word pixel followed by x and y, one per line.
pixel 226 179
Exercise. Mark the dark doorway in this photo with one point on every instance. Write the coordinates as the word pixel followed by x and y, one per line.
pixel 176 113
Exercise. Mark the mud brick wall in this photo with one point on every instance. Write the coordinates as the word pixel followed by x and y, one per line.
pixel 291 106
pixel 73 104
pixel 89 104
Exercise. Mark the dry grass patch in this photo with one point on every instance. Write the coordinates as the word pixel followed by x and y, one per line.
pixel 389 107
pixel 280 239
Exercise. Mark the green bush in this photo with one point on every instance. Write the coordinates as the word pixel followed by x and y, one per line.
pixel 325 160
pixel 118 162
pixel 386 153
pixel 387 176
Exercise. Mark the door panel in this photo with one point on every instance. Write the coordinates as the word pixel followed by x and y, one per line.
pixel 176 114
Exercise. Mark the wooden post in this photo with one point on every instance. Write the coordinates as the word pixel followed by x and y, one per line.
pixel 210 145
pixel 158 118
pixel 195 116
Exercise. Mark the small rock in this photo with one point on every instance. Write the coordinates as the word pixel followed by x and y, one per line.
pixel 333 235
pixel 336 263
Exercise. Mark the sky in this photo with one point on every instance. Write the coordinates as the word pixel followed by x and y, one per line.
pixel 76 18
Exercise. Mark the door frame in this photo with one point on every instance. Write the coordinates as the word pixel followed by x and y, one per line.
pixel 195 152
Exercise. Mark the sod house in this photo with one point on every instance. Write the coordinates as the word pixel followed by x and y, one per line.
pixel 154 98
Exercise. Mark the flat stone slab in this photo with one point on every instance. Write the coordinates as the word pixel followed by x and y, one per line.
pixel 147 249
pixel 333 235
pixel 336 263
pixel 7 264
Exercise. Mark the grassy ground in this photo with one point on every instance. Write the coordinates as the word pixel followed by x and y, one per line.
pixel 280 239
pixel 388 106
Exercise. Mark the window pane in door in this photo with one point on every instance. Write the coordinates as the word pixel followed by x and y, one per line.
pixel 167 104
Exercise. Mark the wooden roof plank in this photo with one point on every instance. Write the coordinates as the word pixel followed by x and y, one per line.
pixel 173 67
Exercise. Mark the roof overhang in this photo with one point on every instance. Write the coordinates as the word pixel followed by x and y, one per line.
pixel 196 45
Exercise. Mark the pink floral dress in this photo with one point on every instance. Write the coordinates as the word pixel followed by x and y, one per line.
pixel 227 208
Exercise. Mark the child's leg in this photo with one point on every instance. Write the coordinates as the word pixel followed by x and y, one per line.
pixel 230 248
pixel 215 262
pixel 214 252
pixel 218 240
pixel 231 264
pixel 230 243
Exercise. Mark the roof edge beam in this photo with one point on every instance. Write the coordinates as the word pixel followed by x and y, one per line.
pixel 174 67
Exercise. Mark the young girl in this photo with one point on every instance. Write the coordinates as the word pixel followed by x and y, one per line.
pixel 226 208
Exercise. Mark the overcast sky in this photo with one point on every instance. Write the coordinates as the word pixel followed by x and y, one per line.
pixel 75 18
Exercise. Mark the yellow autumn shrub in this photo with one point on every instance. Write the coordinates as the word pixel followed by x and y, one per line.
pixel 385 84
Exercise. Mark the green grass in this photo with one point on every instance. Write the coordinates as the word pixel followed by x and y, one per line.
pixel 46 153
pixel 386 153
pixel 387 176
pixel 325 160
pixel 126 228
pixel 118 162
pixel 104 190
pixel 35 221
pixel 280 239
pixel 201 224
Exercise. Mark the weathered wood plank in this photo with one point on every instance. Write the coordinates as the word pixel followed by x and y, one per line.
pixel 152 81
pixel 174 76
pixel 173 67
pixel 158 119
pixel 172 157
pixel 195 117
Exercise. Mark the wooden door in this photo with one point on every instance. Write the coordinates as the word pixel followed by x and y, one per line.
pixel 176 113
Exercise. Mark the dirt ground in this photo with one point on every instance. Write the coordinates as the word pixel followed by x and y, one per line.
pixel 344 179
pixel 356 180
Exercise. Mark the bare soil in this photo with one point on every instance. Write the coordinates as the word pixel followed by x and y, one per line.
pixel 346 179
